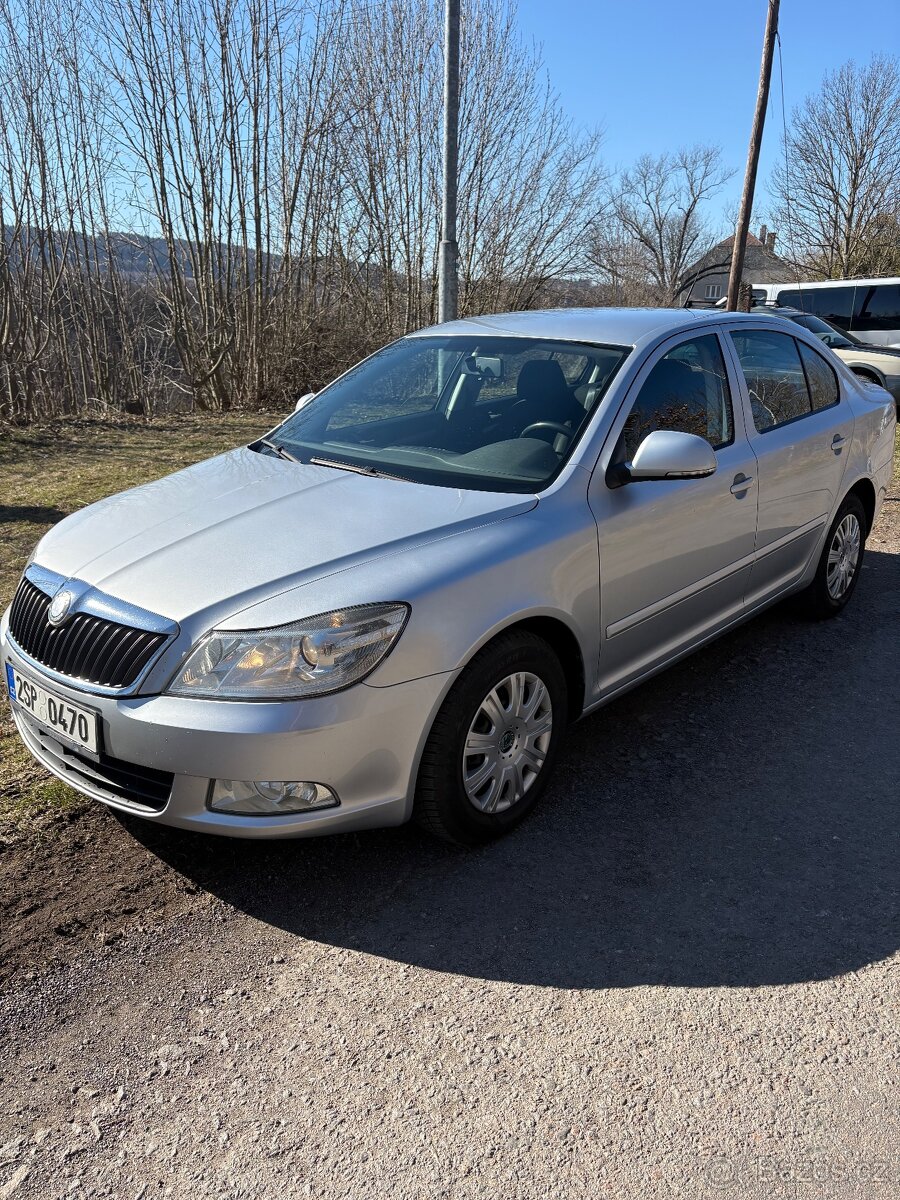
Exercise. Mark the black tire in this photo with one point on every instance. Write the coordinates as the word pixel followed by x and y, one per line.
pixel 868 376
pixel 442 804
pixel 818 601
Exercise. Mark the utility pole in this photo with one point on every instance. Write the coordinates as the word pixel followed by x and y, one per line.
pixel 759 120
pixel 447 263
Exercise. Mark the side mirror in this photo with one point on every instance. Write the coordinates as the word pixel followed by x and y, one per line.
pixel 667 454
pixel 304 400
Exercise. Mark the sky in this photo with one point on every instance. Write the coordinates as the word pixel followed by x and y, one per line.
pixel 658 74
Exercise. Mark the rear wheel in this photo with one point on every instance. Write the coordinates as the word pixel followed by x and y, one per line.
pixel 842 556
pixel 494 743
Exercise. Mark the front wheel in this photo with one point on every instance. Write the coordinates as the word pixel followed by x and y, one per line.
pixel 842 557
pixel 491 750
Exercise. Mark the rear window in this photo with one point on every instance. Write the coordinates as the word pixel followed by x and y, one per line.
pixel 821 379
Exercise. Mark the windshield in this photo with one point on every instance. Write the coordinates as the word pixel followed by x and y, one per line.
pixel 830 334
pixel 492 413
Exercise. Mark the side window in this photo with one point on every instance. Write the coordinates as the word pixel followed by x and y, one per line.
pixel 879 307
pixel 774 373
pixel 795 300
pixel 822 381
pixel 688 391
pixel 834 304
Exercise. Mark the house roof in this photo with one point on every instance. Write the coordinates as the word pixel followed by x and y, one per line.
pixel 761 265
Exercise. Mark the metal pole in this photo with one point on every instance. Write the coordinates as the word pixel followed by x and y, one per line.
pixel 447 281
pixel 759 120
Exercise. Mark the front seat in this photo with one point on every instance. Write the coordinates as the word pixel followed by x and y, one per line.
pixel 543 395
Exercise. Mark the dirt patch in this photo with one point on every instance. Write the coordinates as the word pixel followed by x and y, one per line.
pixel 79 882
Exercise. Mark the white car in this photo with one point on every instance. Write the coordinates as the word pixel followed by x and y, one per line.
pixel 878 364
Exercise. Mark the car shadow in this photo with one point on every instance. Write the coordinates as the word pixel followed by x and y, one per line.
pixel 732 822
pixel 31 514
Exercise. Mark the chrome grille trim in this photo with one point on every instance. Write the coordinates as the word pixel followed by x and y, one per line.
pixel 105 646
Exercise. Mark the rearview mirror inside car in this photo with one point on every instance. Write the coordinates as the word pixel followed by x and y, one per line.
pixel 488 366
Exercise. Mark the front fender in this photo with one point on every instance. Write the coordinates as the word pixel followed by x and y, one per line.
pixel 465 589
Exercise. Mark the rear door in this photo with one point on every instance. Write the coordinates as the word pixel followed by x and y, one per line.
pixel 800 427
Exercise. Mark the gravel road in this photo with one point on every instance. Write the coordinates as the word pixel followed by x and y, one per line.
pixel 679 978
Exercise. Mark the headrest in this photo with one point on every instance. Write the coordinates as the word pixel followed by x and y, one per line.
pixel 670 375
pixel 541 378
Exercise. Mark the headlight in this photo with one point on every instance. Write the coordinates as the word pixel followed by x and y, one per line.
pixel 312 657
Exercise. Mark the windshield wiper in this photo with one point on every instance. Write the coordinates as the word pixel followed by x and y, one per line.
pixel 276 449
pixel 357 468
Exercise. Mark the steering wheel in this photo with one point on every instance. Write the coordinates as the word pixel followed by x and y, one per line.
pixel 554 425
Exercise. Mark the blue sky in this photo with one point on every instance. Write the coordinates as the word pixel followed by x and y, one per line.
pixel 657 74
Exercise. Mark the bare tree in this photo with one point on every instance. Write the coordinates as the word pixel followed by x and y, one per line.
pixel 653 224
pixel 529 181
pixel 838 192
pixel 619 264
pixel 228 201
pixel 74 334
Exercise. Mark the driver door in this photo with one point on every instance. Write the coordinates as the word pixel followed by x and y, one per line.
pixel 675 555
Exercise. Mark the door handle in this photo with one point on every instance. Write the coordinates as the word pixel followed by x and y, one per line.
pixel 837 443
pixel 741 484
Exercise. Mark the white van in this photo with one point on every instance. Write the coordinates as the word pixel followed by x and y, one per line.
pixel 867 308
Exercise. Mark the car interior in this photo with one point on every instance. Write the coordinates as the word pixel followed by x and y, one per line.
pixel 685 391
pixel 497 413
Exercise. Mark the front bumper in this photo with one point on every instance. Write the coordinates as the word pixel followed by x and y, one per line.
pixel 363 743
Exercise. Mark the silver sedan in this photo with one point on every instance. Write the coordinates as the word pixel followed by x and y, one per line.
pixel 394 603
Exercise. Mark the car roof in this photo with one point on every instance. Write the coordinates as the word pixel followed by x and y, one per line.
pixel 613 326
pixel 781 310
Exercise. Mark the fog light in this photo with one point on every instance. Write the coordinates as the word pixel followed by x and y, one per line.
pixel 269 798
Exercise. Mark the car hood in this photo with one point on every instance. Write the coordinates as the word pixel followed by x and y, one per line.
pixel 244 526
pixel 891 358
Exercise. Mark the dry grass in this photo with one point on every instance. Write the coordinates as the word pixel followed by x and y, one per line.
pixel 49 472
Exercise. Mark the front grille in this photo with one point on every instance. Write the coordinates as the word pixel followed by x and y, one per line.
pixel 87 648
pixel 111 778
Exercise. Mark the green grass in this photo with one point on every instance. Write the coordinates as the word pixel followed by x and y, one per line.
pixel 48 472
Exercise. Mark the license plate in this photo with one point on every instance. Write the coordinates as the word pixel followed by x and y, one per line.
pixel 65 720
